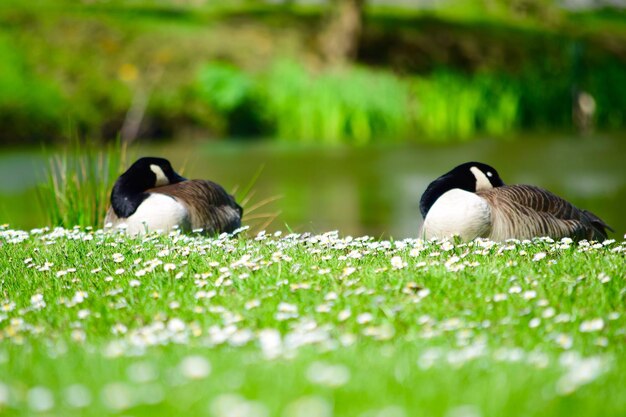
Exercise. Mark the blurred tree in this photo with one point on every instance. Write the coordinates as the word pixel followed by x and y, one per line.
pixel 339 40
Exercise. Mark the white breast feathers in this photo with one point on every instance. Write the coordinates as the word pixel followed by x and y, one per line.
pixel 457 212
pixel 158 212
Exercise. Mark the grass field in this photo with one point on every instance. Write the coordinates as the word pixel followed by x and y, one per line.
pixel 96 324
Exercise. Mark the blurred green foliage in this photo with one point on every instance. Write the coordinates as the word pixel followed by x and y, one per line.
pixel 29 104
pixel 231 94
pixel 338 105
pixel 609 89
pixel 451 105
pixel 251 70
pixel 224 86
pixel 359 105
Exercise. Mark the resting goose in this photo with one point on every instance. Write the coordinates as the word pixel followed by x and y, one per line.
pixel 151 196
pixel 472 201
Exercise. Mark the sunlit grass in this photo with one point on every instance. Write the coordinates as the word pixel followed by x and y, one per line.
pixel 308 325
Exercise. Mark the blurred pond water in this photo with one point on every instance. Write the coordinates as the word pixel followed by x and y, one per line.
pixel 372 190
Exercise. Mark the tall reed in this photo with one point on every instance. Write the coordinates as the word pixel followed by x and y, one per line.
pixel 258 213
pixel 78 181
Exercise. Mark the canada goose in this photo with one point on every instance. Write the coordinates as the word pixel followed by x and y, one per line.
pixel 151 196
pixel 472 201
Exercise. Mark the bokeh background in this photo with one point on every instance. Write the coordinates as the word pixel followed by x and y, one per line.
pixel 334 114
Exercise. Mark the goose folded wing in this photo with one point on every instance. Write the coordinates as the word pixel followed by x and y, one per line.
pixel 210 207
pixel 525 211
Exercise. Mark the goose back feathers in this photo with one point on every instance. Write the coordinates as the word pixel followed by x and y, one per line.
pixel 526 211
pixel 214 210
pixel 472 201
pixel 151 196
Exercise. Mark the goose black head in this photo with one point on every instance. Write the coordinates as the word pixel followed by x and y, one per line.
pixel 470 176
pixel 129 189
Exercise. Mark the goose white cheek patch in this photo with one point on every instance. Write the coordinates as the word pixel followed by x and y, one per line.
pixel 161 179
pixel 482 182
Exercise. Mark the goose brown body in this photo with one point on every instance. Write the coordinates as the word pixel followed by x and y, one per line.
pixel 208 205
pixel 526 211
